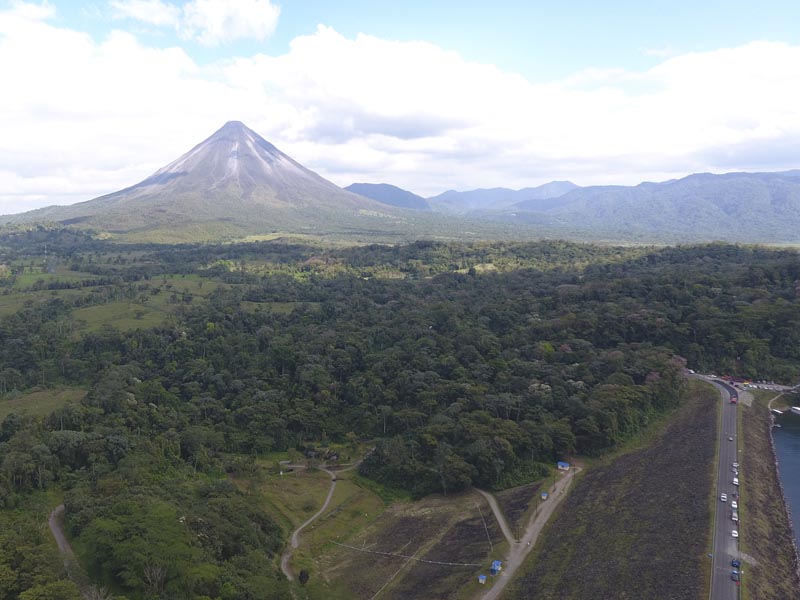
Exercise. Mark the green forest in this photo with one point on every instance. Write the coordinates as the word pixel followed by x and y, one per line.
pixel 457 365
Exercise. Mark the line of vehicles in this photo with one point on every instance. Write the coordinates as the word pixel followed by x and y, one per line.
pixel 736 574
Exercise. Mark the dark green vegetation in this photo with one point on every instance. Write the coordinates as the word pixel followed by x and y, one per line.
pixel 765 530
pixel 30 566
pixel 638 527
pixel 461 364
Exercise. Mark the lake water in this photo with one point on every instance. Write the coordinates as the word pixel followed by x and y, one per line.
pixel 787 446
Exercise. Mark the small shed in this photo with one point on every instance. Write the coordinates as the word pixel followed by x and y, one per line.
pixel 482 579
pixel 545 495
pixel 562 466
pixel 497 566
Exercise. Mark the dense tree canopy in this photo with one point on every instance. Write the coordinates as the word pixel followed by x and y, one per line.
pixel 466 365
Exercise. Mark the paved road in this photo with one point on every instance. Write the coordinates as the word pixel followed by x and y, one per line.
pixel 725 547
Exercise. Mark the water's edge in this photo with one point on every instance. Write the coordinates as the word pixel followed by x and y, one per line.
pixel 786 506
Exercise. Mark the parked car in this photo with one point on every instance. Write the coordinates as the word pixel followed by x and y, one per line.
pixel 735 575
pixel 735 465
pixel 735 533
pixel 735 481
pixel 735 563
pixel 734 504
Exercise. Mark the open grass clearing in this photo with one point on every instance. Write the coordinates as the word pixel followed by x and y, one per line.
pixel 13 302
pixel 23 281
pixel 39 403
pixel 296 495
pixel 152 308
pixel 121 315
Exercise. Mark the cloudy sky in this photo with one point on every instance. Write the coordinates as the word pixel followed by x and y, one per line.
pixel 429 95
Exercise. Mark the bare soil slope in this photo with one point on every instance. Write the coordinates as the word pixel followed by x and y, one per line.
pixel 638 527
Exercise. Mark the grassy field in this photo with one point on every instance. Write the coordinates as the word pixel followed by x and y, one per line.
pixel 153 311
pixel 764 528
pixel 13 302
pixel 459 529
pixel 635 526
pixel 39 403
pixel 120 315
pixel 294 496
pixel 25 280
pixel 440 529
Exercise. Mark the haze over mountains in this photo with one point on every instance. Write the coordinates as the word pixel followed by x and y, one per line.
pixel 236 185
pixel 496 198
pixel 752 207
pixel 389 194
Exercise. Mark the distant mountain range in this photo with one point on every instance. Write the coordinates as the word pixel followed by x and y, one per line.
pixel 236 185
pixel 389 194
pixel 754 207
pixel 751 207
pixel 496 198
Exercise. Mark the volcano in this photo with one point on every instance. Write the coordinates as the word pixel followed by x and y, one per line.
pixel 232 185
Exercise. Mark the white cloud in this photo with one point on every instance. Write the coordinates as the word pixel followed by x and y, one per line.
pixel 209 22
pixel 212 22
pixel 28 10
pixel 82 117
pixel 153 12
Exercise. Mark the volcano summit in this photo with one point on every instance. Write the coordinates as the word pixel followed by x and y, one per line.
pixel 233 184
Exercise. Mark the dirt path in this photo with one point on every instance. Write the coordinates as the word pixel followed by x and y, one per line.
pixel 519 551
pixel 54 522
pixel 769 404
pixel 499 516
pixel 295 541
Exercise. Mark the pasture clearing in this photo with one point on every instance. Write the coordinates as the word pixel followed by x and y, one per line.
pixel 39 403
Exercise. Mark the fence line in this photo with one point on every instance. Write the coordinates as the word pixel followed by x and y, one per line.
pixel 430 562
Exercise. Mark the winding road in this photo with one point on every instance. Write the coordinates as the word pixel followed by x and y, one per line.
pixel 519 550
pixel 54 522
pixel 295 541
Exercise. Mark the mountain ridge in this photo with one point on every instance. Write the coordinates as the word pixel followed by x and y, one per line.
pixel 389 194
pixel 234 183
pixel 458 202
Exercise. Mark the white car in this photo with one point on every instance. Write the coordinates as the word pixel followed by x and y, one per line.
pixel 734 504
pixel 735 533
pixel 723 497
pixel 735 465
pixel 735 481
